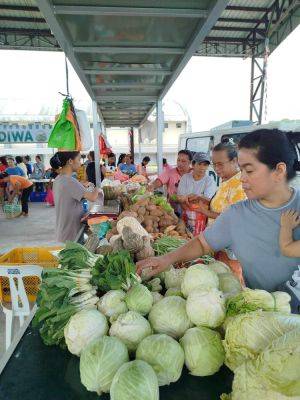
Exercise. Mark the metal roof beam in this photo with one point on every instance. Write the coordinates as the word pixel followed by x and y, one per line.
pixel 126 71
pixel 234 29
pixel 240 20
pixel 247 9
pixel 115 97
pixel 131 11
pixel 21 19
pixel 128 50
pixel 126 86
pixel 27 32
pixel 11 7
pixel 220 39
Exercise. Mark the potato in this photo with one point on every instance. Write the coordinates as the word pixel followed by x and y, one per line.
pixel 156 213
pixel 143 203
pixel 141 211
pixel 151 207
pixel 127 214
pixel 148 220
pixel 149 228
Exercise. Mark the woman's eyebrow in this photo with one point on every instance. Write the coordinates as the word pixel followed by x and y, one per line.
pixel 245 165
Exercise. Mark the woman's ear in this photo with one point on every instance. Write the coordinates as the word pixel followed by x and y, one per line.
pixel 280 172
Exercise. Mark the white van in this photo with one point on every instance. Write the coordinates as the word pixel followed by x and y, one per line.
pixel 205 141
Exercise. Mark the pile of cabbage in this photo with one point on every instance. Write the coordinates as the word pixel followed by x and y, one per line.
pixel 134 341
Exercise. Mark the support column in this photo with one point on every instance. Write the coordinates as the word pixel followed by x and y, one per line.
pixel 97 126
pixel 160 130
pixel 140 144
pixel 258 74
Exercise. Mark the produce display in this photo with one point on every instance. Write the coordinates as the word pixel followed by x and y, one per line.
pixel 134 335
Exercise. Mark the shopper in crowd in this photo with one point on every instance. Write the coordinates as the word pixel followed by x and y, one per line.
pixel 90 169
pixel 166 166
pixel 3 167
pixel 225 163
pixel 27 161
pixel 111 160
pixel 12 168
pixel 68 193
pixel 18 186
pixel 171 177
pixel 142 167
pixel 196 185
pixel 127 167
pixel 121 159
pixel 38 173
pixel 250 228
pixel 21 164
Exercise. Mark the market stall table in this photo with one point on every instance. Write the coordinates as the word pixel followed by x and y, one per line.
pixel 39 372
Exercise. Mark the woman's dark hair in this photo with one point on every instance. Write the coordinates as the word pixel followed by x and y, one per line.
pixel 92 155
pixel 4 175
pixel 61 158
pixel 272 147
pixel 146 159
pixel 3 161
pixel 121 158
pixel 164 161
pixel 187 153
pixel 19 159
pixel 27 158
pixel 39 157
pixel 230 149
pixel 111 155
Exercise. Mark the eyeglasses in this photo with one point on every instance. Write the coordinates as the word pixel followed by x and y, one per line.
pixel 220 165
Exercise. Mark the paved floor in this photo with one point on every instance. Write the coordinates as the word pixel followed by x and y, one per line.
pixel 36 230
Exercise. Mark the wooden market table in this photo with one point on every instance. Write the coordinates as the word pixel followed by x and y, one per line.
pixel 39 372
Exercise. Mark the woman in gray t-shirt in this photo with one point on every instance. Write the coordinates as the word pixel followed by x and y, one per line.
pixel 68 193
pixel 251 228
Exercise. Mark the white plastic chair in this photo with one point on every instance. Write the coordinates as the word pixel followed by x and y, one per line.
pixel 20 306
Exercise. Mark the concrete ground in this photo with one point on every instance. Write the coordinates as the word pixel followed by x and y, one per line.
pixel 36 230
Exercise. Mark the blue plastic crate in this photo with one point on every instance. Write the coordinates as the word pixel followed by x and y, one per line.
pixel 37 197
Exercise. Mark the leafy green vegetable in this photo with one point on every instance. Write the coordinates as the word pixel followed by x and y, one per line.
pixel 114 271
pixel 75 256
pixel 163 202
pixel 139 299
pixel 252 300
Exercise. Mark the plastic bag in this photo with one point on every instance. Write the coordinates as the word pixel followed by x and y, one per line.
pixel 63 134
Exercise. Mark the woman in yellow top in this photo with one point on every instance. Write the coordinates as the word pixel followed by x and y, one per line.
pixel 224 161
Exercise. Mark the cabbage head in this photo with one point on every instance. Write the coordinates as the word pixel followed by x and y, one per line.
pixel 100 361
pixel 206 308
pixel 229 284
pixel 169 316
pixel 139 299
pixel 165 356
pixel 274 374
pixel 173 291
pixel 199 276
pixel 82 328
pixel 256 299
pixel 135 380
pixel 219 267
pixel 204 353
pixel 131 328
pixel 156 297
pixel 248 334
pixel 174 277
pixel 112 304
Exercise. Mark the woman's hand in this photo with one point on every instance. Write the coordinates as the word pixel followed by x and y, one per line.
pixel 290 219
pixel 153 266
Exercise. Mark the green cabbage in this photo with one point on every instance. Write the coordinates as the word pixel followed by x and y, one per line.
pixel 169 316
pixel 174 277
pixel 219 267
pixel 199 276
pixel 99 362
pixel 206 308
pixel 156 297
pixel 204 353
pixel 251 300
pixel 275 374
pixel 131 328
pixel 165 356
pixel 174 291
pixel 135 380
pixel 229 284
pixel 83 328
pixel 112 304
pixel 248 334
pixel 139 299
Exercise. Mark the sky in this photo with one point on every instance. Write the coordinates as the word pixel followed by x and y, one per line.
pixel 212 90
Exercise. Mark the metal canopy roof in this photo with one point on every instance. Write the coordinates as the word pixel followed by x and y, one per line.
pixel 128 53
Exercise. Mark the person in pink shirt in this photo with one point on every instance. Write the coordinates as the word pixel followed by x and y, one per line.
pixel 166 166
pixel 171 176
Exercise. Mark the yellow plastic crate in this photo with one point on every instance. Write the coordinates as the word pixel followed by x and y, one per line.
pixel 21 256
